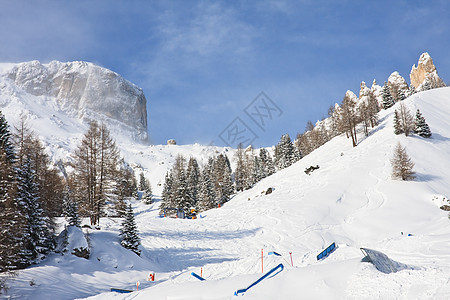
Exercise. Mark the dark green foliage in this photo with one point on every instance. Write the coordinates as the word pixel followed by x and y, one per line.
pixel 5 139
pixel 39 226
pixel 388 101
pixel 421 127
pixel 129 233
pixel 146 189
pixel 285 153
pixel 397 127
pixel 70 210
pixel 207 195
pixel 192 181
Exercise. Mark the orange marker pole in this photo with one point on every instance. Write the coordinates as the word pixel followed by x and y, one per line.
pixel 262 263
pixel 201 272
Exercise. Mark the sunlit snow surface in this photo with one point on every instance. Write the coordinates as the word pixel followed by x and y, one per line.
pixel 351 200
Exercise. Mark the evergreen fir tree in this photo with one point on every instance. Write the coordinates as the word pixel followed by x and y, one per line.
pixel 239 173
pixel 142 182
pixel 147 195
pixel 166 197
pixel 284 152
pixel 192 181
pixel 180 197
pixel 401 95
pixel 388 101
pixel 5 139
pixel 421 127
pixel 222 179
pixel 426 86
pixel 13 222
pixel 397 127
pixel 39 225
pixel 70 208
pixel 129 233
pixel 146 189
pixel 207 195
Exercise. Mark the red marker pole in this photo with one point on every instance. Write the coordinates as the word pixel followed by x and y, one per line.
pixel 201 272
pixel 290 253
pixel 262 263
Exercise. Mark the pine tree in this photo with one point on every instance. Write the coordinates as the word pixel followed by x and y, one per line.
pixel 48 179
pixel 146 189
pixel 402 166
pixel 5 139
pixel 421 127
pixel 147 195
pixel 13 223
pixel 239 173
pixel 39 226
pixel 401 95
pixel 397 127
pixel 223 183
pixel 166 197
pixel 129 233
pixel 207 195
pixel 266 162
pixel 192 181
pixel 284 152
pixel 388 101
pixel 70 210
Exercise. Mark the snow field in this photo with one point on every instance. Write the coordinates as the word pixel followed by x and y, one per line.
pixel 351 200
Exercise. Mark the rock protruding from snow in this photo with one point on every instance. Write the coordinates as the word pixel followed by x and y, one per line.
pixel 83 90
pixel 398 86
pixel 77 243
pixel 171 142
pixel 425 74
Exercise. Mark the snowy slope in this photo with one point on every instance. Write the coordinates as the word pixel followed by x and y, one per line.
pixel 351 200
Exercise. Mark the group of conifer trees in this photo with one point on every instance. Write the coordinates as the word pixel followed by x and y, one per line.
pixel 33 193
pixel 30 191
pixel 187 186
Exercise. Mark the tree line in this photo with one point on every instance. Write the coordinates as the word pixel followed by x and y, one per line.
pixel 33 190
pixel 187 186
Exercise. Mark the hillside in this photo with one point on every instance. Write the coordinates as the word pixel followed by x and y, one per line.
pixel 350 200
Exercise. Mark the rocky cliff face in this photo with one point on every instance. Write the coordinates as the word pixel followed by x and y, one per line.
pixel 425 74
pixel 82 90
pixel 397 85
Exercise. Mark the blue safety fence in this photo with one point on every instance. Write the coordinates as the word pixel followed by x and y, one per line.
pixel 122 291
pixel 274 253
pixel 197 276
pixel 327 251
pixel 272 272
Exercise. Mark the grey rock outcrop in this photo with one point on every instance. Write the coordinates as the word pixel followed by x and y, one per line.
pixel 86 91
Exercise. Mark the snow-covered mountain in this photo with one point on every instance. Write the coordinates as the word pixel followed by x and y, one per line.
pixel 62 93
pixel 350 200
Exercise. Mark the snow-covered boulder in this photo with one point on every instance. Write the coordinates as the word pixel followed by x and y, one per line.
pixel 77 243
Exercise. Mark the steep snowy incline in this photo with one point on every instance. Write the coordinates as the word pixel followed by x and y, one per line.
pixel 350 200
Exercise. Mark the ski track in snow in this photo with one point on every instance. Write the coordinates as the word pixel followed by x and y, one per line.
pixel 350 200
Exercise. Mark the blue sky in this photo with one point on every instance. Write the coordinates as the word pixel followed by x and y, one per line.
pixel 203 64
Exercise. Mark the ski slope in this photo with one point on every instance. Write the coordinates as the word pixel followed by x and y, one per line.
pixel 350 200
